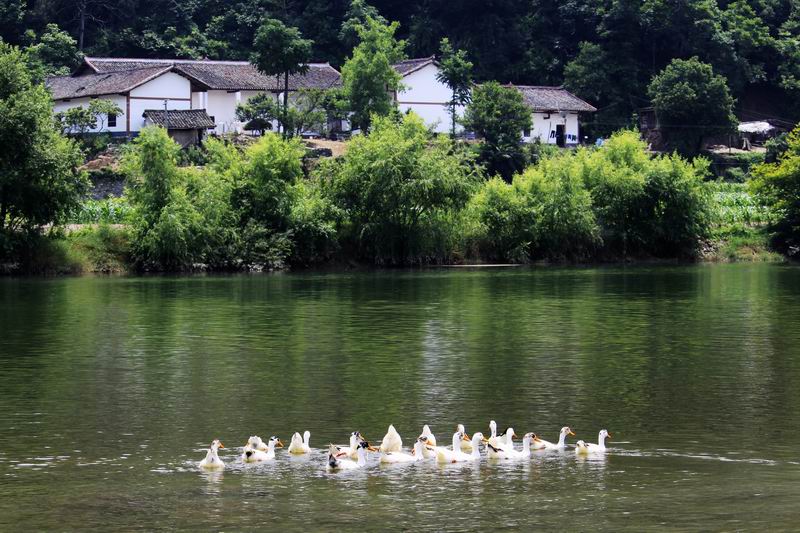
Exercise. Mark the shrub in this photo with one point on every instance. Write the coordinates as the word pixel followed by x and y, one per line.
pixel 777 185
pixel 394 186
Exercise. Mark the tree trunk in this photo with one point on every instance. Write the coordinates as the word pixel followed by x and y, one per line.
pixel 82 24
pixel 285 100
pixel 2 215
pixel 453 115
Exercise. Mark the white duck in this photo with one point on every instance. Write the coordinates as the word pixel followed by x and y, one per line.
pixel 510 452
pixel 391 441
pixel 505 448
pixel 600 447
pixel 466 445
pixel 212 460
pixel 337 460
pixel 400 457
pixel 253 455
pixel 540 444
pixel 255 443
pixel 299 445
pixel 426 432
pixel 581 448
pixel 352 450
pixel 443 455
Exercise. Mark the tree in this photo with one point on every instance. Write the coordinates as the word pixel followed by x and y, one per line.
pixel 307 112
pixel 39 178
pixel 778 186
pixel 499 115
pixel 691 102
pixel 355 17
pixel 281 50
pixel 56 51
pixel 455 71
pixel 397 189
pixel 368 77
pixel 80 120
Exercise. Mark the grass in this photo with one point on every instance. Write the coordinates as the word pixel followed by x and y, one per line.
pixel 739 227
pixel 103 248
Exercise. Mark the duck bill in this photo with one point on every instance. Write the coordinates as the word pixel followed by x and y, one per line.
pixel 608 436
pixel 221 445
pixel 279 444
pixel 571 433
pixel 537 439
pixel 465 437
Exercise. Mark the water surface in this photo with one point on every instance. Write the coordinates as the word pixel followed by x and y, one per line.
pixel 113 387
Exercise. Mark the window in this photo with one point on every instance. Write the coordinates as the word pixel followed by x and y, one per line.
pixel 526 133
pixel 112 120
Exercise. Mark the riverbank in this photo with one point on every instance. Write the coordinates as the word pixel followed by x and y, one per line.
pixel 106 249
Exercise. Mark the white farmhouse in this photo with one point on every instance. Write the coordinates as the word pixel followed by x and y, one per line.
pixel 555 114
pixel 423 94
pixel 139 85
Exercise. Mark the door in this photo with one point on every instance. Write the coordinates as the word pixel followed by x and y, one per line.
pixel 560 135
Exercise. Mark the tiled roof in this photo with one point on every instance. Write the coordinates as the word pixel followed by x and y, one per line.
pixel 406 67
pixel 542 98
pixel 183 119
pixel 225 75
pixel 122 81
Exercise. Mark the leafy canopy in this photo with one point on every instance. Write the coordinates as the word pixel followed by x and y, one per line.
pixel 367 76
pixel 39 178
pixel 691 102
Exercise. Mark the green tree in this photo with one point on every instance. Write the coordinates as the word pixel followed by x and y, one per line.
pixel 455 71
pixel 39 178
pixel 307 112
pixel 281 50
pixel 691 102
pixel 356 16
pixel 368 77
pixel 398 191
pixel 778 186
pixel 81 120
pixel 499 115
pixel 55 51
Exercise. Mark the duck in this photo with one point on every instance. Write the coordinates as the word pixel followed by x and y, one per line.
pixel 212 460
pixel 600 447
pixel 466 445
pixel 510 452
pixel 337 460
pixel 418 454
pixel 254 455
pixel 299 445
pixel 255 443
pixel 429 450
pixel 443 455
pixel 352 450
pixel 504 448
pixel 540 444
pixel 581 448
pixel 391 441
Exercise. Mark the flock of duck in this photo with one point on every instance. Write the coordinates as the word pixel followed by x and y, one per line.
pixel 464 448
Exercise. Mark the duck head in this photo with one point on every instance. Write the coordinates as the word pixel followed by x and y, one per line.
pixel 275 442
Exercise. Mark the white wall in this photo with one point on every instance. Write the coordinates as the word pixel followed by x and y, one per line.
pixel 172 87
pixel 221 105
pixel 62 105
pixel 427 97
pixel 544 128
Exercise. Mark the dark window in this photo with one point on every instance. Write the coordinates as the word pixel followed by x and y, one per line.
pixel 526 133
pixel 112 120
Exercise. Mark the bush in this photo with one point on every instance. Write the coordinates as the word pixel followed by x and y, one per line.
pixel 106 249
pixel 615 200
pixel 777 185
pixel 111 210
pixel 313 221
pixel 395 186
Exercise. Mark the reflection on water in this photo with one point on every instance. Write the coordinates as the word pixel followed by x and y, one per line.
pixel 113 388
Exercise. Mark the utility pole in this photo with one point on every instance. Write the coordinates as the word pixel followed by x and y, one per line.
pixel 166 116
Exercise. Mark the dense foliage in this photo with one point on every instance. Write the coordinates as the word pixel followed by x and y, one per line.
pixel 498 115
pixel 606 51
pixel 691 103
pixel 778 186
pixel 398 191
pixel 616 201
pixel 39 178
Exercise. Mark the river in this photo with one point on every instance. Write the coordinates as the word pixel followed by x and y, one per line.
pixel 113 387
